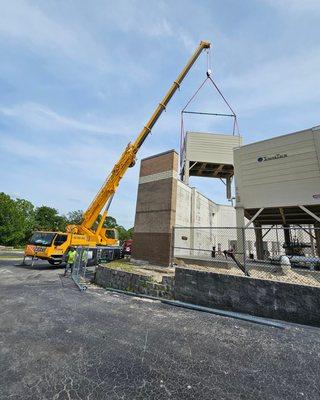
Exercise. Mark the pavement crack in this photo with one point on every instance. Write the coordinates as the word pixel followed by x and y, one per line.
pixel 145 345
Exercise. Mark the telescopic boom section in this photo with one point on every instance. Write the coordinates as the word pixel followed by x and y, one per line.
pixel 127 158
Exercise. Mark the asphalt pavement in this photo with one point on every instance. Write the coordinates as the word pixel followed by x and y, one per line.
pixel 59 343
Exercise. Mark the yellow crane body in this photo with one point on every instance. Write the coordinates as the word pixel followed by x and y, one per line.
pixel 50 245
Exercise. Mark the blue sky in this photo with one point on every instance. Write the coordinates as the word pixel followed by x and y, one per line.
pixel 79 79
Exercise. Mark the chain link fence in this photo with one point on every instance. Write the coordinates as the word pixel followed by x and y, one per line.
pixel 86 260
pixel 289 254
pixel 80 264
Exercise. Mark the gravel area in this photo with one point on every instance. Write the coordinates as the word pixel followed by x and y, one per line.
pixel 263 271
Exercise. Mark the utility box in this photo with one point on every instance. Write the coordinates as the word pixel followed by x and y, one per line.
pixel 208 155
pixel 280 172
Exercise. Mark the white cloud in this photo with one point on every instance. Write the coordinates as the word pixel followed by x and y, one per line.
pixel 153 20
pixel 296 5
pixel 286 81
pixel 29 24
pixel 86 157
pixel 66 41
pixel 39 116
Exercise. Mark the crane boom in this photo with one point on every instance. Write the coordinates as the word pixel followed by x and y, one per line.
pixel 127 158
pixel 53 246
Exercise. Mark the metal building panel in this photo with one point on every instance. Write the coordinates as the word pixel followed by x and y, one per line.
pixel 282 171
pixel 211 147
pixel 316 137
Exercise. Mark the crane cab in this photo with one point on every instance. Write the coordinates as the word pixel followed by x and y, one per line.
pixel 52 246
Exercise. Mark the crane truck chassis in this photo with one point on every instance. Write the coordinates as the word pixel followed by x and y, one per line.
pixel 52 246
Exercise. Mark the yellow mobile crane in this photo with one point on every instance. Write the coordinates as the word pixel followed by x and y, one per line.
pixel 52 246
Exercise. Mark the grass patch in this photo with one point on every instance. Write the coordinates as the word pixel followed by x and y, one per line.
pixel 121 265
pixel 126 266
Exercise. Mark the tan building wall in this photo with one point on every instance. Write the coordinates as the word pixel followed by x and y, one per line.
pixel 194 210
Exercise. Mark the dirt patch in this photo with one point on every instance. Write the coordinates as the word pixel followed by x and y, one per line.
pixel 268 272
pixel 154 272
pixel 309 278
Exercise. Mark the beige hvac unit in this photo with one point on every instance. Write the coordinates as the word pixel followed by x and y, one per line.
pixel 209 155
pixel 281 173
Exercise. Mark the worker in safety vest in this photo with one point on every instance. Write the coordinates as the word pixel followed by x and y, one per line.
pixel 70 260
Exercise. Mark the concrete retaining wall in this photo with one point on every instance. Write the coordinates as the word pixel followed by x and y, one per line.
pixel 279 300
pixel 132 282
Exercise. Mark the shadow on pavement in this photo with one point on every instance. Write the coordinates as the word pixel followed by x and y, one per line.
pixel 39 267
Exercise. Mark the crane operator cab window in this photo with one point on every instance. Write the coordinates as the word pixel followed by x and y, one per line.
pixel 111 233
pixel 60 239
pixel 42 238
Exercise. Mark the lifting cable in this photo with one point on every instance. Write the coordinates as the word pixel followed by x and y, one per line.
pixel 235 129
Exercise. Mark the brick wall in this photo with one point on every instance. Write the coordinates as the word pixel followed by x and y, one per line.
pixel 156 208
pixel 167 161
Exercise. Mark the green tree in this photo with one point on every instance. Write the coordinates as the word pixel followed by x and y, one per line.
pixel 110 222
pixel 75 217
pixel 130 233
pixel 11 222
pixel 48 219
pixel 124 234
pixel 19 218
pixel 28 211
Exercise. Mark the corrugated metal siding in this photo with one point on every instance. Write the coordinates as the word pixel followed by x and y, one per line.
pixel 211 148
pixel 316 138
pixel 291 180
